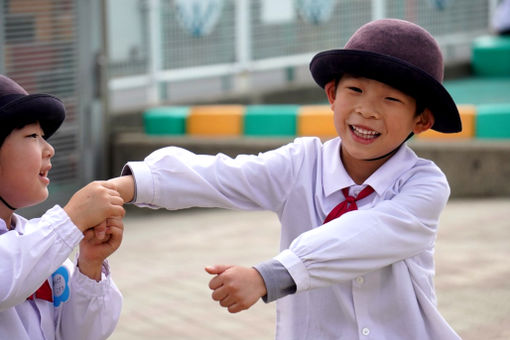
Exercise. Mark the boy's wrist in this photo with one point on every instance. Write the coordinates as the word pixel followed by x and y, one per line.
pixel 70 211
pixel 261 284
pixel 125 185
pixel 91 269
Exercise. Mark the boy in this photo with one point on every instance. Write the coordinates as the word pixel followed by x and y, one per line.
pixel 359 269
pixel 39 297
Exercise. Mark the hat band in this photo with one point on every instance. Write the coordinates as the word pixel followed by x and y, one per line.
pixel 392 151
pixel 7 204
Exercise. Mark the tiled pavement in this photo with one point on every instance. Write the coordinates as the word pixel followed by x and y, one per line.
pixel 159 269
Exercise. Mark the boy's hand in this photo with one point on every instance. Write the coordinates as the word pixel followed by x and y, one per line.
pixel 99 243
pixel 236 288
pixel 93 204
pixel 125 186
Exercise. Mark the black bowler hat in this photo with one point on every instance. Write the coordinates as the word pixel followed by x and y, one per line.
pixel 400 54
pixel 17 107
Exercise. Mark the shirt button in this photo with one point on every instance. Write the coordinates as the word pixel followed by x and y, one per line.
pixel 365 331
pixel 360 280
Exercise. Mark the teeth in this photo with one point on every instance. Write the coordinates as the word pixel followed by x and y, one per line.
pixel 364 133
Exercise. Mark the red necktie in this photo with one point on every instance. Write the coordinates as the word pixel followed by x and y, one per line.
pixel 44 292
pixel 348 204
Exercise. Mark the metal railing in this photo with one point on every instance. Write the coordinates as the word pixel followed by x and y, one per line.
pixel 189 40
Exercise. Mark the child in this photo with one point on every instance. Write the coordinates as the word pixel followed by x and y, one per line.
pixel 359 269
pixel 41 298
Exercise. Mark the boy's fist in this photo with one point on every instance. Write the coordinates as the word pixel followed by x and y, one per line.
pixel 236 288
pixel 99 243
pixel 94 203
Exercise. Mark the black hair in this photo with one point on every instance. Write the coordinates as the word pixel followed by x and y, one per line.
pixel 14 124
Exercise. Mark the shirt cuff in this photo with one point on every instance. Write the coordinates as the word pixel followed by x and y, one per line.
pixel 296 269
pixel 144 183
pixel 63 226
pixel 277 279
pixel 90 286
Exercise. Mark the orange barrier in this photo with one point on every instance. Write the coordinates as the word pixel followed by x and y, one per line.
pixel 316 120
pixel 215 120
pixel 467 117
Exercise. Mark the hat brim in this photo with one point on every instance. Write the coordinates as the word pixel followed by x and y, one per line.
pixel 46 109
pixel 332 64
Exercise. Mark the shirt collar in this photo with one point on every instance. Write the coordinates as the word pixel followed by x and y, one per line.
pixel 384 177
pixel 335 177
pixel 3 226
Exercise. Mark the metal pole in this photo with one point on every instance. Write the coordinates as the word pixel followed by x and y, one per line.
pixel 492 9
pixel 155 51
pixel 243 44
pixel 378 9
pixel 2 36
pixel 104 92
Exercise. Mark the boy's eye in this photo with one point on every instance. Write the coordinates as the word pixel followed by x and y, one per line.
pixel 393 99
pixel 355 89
pixel 33 135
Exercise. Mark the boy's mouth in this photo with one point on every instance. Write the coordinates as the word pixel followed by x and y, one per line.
pixel 364 133
pixel 44 172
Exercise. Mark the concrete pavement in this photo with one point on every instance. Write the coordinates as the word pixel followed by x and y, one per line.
pixel 159 269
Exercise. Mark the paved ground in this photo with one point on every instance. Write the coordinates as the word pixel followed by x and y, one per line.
pixel 159 269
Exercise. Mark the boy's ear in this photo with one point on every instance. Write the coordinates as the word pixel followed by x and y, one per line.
pixel 424 121
pixel 330 89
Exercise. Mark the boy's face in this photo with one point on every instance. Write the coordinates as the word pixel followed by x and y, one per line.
pixel 24 166
pixel 373 118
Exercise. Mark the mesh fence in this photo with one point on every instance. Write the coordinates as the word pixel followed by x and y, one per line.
pixel 40 52
pixel 190 48
pixel 206 33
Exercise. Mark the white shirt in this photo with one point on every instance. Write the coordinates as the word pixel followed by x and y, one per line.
pixel 29 254
pixel 366 275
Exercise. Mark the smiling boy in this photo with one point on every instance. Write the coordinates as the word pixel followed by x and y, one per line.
pixel 373 119
pixel 359 213
pixel 43 295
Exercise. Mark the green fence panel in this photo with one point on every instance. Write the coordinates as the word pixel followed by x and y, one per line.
pixel 270 120
pixel 166 120
pixel 491 56
pixel 493 121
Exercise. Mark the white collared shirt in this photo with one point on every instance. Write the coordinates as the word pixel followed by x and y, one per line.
pixel 366 275
pixel 37 250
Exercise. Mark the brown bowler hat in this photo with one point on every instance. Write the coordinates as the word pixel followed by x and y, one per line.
pixel 17 107
pixel 400 54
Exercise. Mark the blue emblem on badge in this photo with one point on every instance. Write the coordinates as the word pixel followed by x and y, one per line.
pixel 60 286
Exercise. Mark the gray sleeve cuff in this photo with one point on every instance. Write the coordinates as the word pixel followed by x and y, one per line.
pixel 277 279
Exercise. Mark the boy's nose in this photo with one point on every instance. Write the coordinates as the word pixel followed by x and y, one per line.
pixel 369 114
pixel 367 107
pixel 368 111
pixel 49 150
